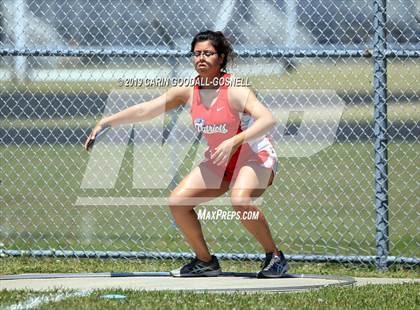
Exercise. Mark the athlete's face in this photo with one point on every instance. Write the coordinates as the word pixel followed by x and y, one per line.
pixel 206 60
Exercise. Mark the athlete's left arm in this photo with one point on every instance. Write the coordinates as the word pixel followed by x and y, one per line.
pixel 244 100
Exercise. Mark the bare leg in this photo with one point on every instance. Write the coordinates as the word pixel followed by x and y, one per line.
pixel 189 193
pixel 186 219
pixel 250 183
pixel 259 229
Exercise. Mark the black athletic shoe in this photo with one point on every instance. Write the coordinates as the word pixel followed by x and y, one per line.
pixel 198 268
pixel 273 266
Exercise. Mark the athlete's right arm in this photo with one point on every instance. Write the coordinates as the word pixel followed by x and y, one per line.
pixel 144 111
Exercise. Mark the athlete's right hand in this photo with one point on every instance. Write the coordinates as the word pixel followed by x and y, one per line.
pixel 91 137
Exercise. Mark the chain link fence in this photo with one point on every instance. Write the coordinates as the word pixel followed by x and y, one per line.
pixel 342 77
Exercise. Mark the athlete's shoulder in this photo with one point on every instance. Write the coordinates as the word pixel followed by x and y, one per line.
pixel 240 93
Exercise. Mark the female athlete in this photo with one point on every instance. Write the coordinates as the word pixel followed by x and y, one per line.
pixel 240 156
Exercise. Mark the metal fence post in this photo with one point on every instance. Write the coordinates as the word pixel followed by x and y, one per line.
pixel 19 25
pixel 380 132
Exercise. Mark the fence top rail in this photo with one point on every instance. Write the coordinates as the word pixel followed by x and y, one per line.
pixel 366 53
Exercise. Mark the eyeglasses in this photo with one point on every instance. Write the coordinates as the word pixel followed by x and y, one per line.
pixel 205 53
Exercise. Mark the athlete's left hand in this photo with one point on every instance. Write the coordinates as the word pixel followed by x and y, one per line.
pixel 224 151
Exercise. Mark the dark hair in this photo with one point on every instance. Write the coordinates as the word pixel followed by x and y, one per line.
pixel 220 43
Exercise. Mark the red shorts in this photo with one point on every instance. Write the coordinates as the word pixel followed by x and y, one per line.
pixel 265 158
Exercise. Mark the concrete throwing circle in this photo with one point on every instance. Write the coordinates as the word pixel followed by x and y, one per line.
pixel 152 281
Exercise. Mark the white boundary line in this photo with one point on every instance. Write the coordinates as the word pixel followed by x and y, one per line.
pixel 34 302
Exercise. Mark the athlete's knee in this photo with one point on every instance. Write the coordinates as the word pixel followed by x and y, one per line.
pixel 240 201
pixel 178 200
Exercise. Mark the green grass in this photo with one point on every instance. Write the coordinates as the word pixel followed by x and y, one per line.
pixel 323 204
pixel 397 296
pixel 403 296
pixel 367 297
